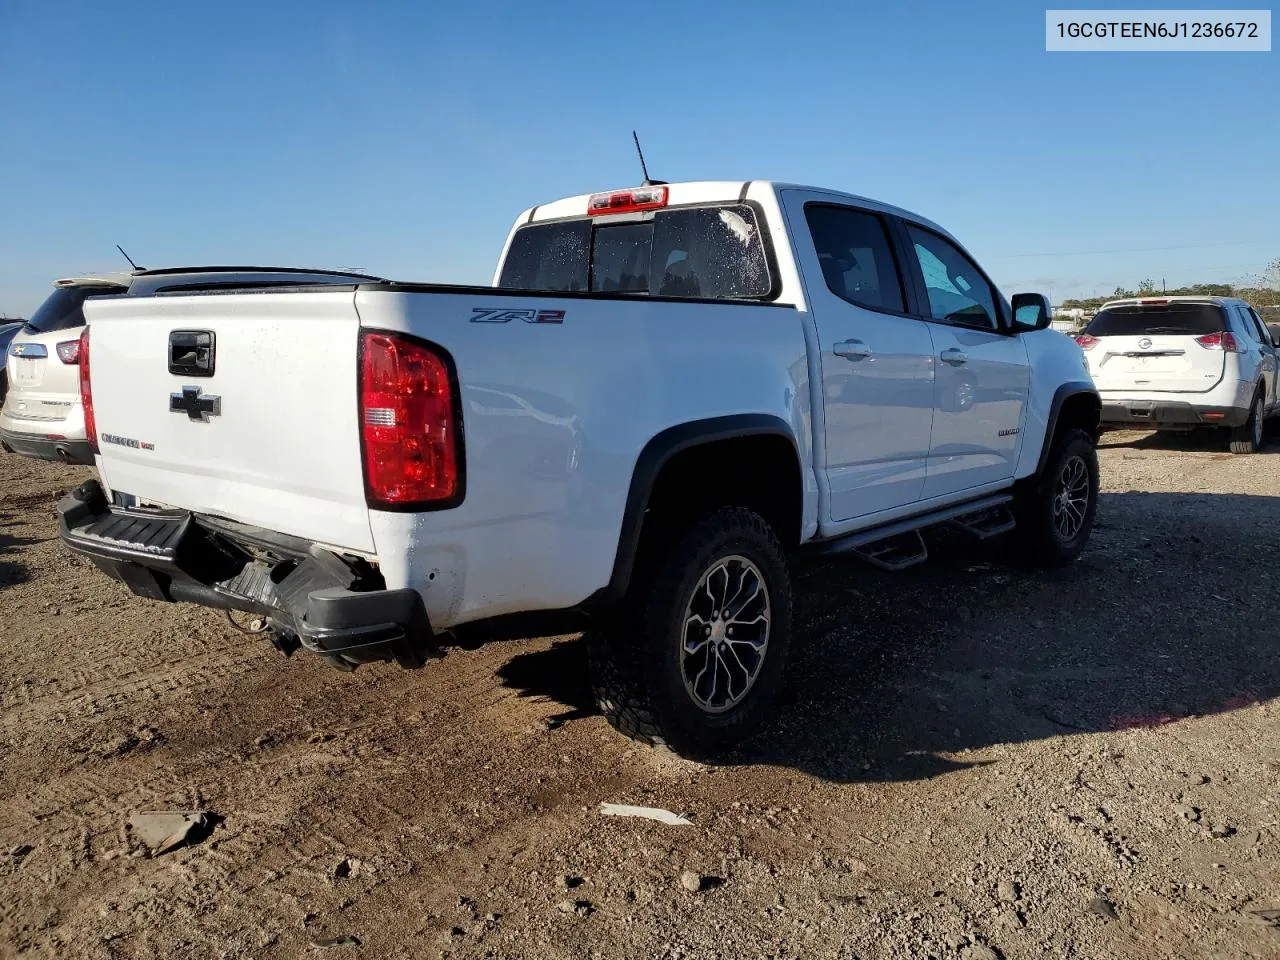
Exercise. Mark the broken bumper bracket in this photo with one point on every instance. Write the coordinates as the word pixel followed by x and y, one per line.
pixel 168 555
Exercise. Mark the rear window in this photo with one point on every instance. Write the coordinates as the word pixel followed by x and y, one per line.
pixel 705 252
pixel 1190 319
pixel 549 256
pixel 64 308
pixel 620 258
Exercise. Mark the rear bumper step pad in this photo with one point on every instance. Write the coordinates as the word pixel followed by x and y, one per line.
pixel 170 556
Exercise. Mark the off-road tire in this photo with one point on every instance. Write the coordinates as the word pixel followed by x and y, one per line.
pixel 1247 438
pixel 635 652
pixel 1036 537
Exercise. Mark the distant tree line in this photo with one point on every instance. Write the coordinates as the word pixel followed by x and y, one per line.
pixel 1262 290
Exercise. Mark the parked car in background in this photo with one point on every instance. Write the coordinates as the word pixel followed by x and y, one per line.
pixel 41 413
pixel 42 416
pixel 1175 363
pixel 8 329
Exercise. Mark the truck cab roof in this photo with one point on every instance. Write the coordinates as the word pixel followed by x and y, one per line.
pixel 719 191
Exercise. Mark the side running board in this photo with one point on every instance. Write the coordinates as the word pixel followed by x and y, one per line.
pixel 987 523
pixel 895 553
pixel 898 545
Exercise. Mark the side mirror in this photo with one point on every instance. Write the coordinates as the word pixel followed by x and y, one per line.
pixel 1031 311
pixel 1274 330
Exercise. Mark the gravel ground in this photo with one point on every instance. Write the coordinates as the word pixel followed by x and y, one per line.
pixel 971 761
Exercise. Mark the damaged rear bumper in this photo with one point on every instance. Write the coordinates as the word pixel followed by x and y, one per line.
pixel 302 591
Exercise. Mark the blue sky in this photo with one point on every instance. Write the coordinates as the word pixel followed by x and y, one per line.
pixel 403 137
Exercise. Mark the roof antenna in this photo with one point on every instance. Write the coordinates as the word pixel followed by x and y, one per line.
pixel 643 168
pixel 129 258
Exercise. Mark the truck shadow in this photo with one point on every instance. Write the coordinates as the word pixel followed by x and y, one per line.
pixel 11 571
pixel 896 676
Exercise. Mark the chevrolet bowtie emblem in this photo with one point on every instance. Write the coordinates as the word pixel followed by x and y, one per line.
pixel 196 407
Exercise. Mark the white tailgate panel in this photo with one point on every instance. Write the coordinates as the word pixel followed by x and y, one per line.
pixel 283 454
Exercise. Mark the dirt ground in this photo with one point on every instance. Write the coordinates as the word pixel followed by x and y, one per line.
pixel 971 761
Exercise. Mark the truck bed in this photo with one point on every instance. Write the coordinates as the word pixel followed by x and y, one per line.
pixel 559 394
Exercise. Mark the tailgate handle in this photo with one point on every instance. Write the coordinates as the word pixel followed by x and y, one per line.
pixel 191 353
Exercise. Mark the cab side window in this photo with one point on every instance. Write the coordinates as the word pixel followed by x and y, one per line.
pixel 856 257
pixel 958 293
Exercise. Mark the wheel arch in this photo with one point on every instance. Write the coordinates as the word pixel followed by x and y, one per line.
pixel 1075 404
pixel 677 451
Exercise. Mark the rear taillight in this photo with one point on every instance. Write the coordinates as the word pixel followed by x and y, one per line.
pixel 69 352
pixel 1226 340
pixel 1087 342
pixel 410 424
pixel 86 390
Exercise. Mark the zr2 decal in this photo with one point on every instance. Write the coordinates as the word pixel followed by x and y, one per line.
pixel 504 315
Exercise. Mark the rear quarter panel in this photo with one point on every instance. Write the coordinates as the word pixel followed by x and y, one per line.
pixel 555 416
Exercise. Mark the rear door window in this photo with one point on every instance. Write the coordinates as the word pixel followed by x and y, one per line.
pixel 703 252
pixel 64 308
pixel 856 256
pixel 1186 319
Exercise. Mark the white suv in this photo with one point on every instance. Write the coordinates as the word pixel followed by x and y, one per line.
pixel 42 416
pixel 1175 363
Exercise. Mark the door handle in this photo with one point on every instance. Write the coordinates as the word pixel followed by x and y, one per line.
pixel 851 350
pixel 953 356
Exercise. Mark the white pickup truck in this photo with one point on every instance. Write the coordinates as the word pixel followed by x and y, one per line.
pixel 669 393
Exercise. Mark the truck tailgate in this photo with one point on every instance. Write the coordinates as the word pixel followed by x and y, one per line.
pixel 270 438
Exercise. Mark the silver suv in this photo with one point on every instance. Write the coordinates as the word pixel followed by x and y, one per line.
pixel 1175 363
pixel 42 416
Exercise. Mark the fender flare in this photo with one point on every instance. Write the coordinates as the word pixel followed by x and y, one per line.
pixel 657 452
pixel 1065 391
